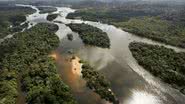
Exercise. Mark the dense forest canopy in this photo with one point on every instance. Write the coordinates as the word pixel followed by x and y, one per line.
pixel 25 58
pixel 91 35
pixel 25 62
pixel 162 62
pixel 11 17
pixel 98 83
pixel 161 22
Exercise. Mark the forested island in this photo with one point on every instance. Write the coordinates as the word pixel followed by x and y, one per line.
pixel 98 83
pixel 70 37
pixel 162 62
pixel 46 9
pixel 160 22
pixel 91 35
pixel 11 17
pixel 51 17
pixel 26 57
pixel 27 64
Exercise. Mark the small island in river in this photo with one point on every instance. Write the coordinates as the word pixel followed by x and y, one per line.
pixel 51 17
pixel 46 9
pixel 91 35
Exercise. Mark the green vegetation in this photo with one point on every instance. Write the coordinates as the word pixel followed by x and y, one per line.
pixel 161 22
pixel 91 35
pixel 106 15
pixel 43 85
pixel 98 83
pixel 162 62
pixel 12 16
pixel 8 86
pixel 116 12
pixel 47 9
pixel 51 17
pixel 27 55
pixel 156 29
pixel 70 37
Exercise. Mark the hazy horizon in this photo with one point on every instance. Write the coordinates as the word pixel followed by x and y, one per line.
pixel 97 0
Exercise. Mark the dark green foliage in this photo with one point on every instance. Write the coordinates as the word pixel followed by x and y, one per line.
pixel 17 19
pixel 70 37
pixel 12 15
pixel 51 17
pixel 91 35
pixel 121 12
pixel 162 62
pixel 161 22
pixel 108 15
pixel 19 28
pixel 47 9
pixel 43 85
pixel 27 54
pixel 98 83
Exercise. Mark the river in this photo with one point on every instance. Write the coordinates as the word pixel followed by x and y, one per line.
pixel 129 81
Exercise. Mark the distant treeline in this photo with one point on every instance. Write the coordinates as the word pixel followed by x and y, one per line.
pixel 47 9
pixel 160 22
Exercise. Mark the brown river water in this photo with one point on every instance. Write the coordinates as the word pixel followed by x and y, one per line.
pixel 131 83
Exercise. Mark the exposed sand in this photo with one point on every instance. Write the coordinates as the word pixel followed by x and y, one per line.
pixel 69 68
pixel 74 62
pixel 76 65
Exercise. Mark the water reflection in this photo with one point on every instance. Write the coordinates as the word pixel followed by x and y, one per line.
pixel 70 71
pixel 129 81
pixel 117 65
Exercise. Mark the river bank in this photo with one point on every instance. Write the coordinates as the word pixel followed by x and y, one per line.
pixel 128 79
